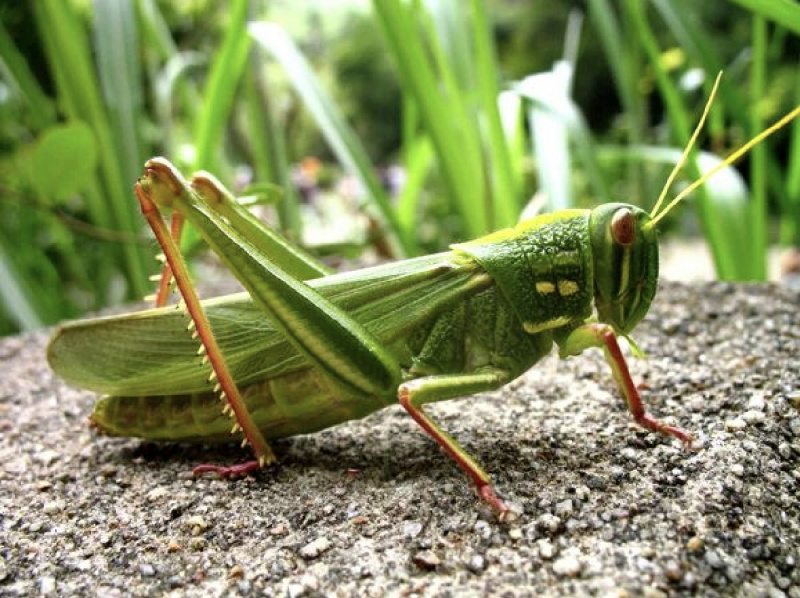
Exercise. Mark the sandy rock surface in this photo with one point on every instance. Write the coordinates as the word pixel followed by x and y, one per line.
pixel 373 508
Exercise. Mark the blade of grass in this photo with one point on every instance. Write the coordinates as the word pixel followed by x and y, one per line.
pixel 337 132
pixel 784 12
pixel 69 57
pixel 566 113
pixel 505 181
pixel 220 88
pixel 758 155
pixel 118 69
pixel 730 259
pixel 790 220
pixel 170 87
pixel 17 298
pixel 509 106
pixel 732 102
pixel 17 74
pixel 440 111
pixel 624 59
pixel 549 135
pixel 456 83
pixel 418 162
pixel 270 161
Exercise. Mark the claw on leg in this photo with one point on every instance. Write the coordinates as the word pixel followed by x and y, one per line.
pixel 487 494
pixel 603 336
pixel 229 471
pixel 416 393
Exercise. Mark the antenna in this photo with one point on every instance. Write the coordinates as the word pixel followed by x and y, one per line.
pixel 726 162
pixel 679 164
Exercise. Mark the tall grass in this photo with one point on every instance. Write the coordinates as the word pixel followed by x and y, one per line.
pixel 476 147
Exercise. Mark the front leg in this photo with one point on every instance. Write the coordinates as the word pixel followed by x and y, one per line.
pixel 430 389
pixel 602 335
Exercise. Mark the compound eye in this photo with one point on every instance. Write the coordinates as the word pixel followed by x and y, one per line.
pixel 623 227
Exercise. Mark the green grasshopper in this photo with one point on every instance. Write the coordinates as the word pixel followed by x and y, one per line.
pixel 305 349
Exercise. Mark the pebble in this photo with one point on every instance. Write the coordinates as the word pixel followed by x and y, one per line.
pixel 694 544
pixel 426 559
pixel 754 416
pixel 714 560
pixel 483 529
pixel 546 549
pixel 197 524
pixel 281 529
pixel 315 548
pixel 47 456
pixel 147 570
pixel 47 586
pixel 757 402
pixel 52 507
pixel 564 509
pixel 697 404
pixel 737 469
pixel 412 529
pixel 156 494
pixel 549 522
pixel 670 326
pixel 673 571
pixel 108 471
pixel 567 566
pixel 308 585
pixel 734 425
pixel 476 563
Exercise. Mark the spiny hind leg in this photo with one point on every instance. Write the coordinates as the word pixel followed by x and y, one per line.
pixel 159 173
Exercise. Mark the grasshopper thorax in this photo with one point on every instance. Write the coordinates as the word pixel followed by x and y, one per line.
pixel 625 259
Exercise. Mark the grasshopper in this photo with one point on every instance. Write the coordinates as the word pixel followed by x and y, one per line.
pixel 304 349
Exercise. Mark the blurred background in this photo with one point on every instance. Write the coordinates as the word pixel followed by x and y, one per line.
pixel 383 129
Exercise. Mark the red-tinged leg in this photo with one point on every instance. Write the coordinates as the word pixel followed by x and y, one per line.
pixel 415 393
pixel 602 335
pixel 164 283
pixel 229 471
pixel 171 188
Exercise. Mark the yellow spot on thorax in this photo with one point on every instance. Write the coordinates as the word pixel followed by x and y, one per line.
pixel 545 288
pixel 534 327
pixel 567 287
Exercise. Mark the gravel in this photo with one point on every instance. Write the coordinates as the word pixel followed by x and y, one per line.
pixel 372 508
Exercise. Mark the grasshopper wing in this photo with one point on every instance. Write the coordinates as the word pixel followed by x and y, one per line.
pixel 150 352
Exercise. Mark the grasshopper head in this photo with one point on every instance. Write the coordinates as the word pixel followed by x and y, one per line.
pixel 625 254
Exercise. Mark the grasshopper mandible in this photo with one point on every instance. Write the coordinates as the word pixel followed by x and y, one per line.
pixel 305 349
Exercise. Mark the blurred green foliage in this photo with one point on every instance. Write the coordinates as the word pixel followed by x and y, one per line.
pixel 597 95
